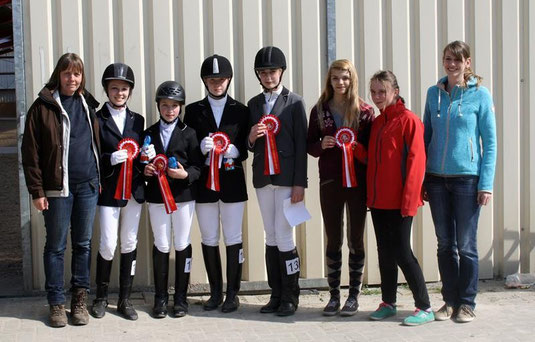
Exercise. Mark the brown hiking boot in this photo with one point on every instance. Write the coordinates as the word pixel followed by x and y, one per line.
pixel 79 313
pixel 57 317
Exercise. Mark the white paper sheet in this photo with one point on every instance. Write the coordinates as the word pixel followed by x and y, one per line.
pixel 295 213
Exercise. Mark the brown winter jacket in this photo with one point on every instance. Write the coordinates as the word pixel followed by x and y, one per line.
pixel 46 133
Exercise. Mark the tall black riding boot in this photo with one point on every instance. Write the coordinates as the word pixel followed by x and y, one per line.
pixel 126 278
pixel 234 268
pixel 212 262
pixel 289 269
pixel 161 277
pixel 182 272
pixel 98 310
pixel 274 279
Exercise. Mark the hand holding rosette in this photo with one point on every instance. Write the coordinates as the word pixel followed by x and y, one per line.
pixel 221 142
pixel 160 164
pixel 123 191
pixel 271 155
pixel 345 138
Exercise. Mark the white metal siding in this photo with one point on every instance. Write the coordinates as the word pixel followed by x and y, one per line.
pixel 168 39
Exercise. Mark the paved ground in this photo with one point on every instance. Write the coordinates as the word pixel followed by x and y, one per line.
pixel 502 315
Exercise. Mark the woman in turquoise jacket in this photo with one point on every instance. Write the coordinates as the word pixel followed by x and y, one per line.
pixel 460 141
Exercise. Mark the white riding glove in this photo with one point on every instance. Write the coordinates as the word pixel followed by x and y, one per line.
pixel 232 152
pixel 118 157
pixel 207 144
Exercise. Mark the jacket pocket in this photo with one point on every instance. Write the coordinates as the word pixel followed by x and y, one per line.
pixel 286 153
pixel 325 182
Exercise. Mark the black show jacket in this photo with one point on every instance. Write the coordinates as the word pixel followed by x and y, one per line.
pixel 183 145
pixel 234 122
pixel 109 138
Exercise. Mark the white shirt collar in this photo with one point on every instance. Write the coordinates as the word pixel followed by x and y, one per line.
pixel 116 112
pixel 217 102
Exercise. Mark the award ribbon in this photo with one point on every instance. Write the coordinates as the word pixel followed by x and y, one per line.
pixel 144 159
pixel 271 155
pixel 160 162
pixel 221 144
pixel 123 191
pixel 345 138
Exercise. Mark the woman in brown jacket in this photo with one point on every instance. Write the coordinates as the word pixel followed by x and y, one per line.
pixel 60 157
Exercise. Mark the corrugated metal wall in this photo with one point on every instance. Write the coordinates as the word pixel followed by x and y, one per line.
pixel 168 39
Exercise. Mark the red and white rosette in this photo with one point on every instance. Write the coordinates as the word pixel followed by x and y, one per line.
pixel 345 138
pixel 221 144
pixel 160 163
pixel 271 155
pixel 123 191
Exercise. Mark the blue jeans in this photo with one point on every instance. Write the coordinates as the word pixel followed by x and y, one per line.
pixel 77 212
pixel 455 211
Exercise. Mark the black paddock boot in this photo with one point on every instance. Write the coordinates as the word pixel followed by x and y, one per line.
pixel 234 268
pixel 356 269
pixel 160 263
pixel 212 262
pixel 334 271
pixel 182 272
pixel 274 279
pixel 98 310
pixel 289 269
pixel 126 278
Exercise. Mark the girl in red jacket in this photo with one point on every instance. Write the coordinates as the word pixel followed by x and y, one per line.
pixel 340 106
pixel 396 167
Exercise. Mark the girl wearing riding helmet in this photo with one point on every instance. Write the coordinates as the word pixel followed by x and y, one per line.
pixel 460 140
pixel 278 140
pixel 396 167
pixel 340 106
pixel 218 112
pixel 172 138
pixel 118 214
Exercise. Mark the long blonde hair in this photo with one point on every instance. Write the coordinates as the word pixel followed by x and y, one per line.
pixel 461 50
pixel 352 108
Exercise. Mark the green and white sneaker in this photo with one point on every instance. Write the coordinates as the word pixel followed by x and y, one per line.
pixel 383 311
pixel 419 317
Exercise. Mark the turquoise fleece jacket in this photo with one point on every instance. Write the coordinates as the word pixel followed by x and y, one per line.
pixel 460 132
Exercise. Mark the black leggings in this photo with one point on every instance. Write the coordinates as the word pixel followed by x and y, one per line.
pixel 334 198
pixel 393 234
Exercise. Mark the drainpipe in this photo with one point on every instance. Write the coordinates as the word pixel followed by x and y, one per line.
pixel 331 31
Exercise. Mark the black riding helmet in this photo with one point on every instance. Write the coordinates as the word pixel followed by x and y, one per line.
pixel 269 57
pixel 216 67
pixel 170 90
pixel 118 71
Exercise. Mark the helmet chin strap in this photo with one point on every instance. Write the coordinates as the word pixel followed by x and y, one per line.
pixel 269 90
pixel 215 96
pixel 117 106
pixel 168 122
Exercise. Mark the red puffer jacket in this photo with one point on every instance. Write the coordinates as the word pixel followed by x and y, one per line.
pixel 396 160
